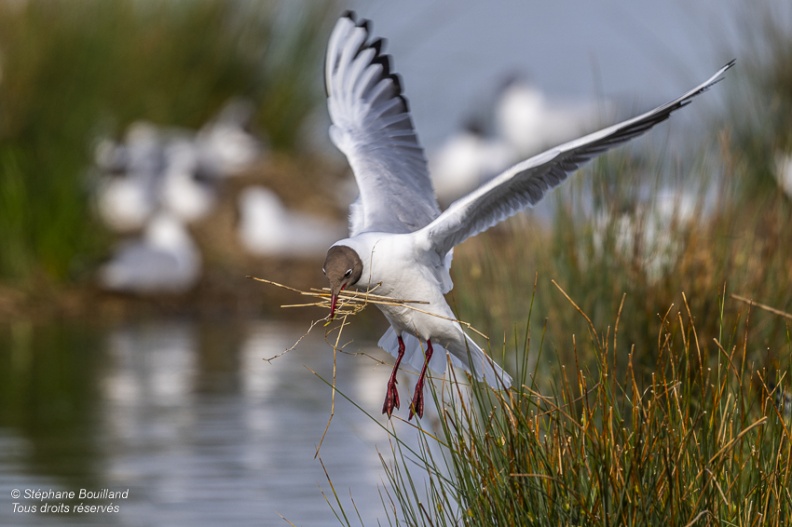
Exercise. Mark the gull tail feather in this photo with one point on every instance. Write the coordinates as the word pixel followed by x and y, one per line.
pixel 468 356
pixel 473 359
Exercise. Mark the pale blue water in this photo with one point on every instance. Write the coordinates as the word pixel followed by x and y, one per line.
pixel 188 417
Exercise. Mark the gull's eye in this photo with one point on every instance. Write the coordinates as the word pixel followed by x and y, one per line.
pixel 348 273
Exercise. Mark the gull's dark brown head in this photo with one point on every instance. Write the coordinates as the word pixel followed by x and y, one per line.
pixel 343 268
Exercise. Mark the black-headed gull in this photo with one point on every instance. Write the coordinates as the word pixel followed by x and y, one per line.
pixel 130 197
pixel 164 260
pixel 467 159
pixel 268 228
pixel 783 172
pixel 528 121
pixel 399 240
pixel 224 145
pixel 185 192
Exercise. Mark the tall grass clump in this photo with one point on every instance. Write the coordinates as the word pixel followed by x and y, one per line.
pixel 704 439
pixel 72 71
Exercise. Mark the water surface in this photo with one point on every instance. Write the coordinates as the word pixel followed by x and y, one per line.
pixel 190 418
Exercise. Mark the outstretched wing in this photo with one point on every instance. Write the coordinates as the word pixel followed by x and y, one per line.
pixel 526 183
pixel 373 128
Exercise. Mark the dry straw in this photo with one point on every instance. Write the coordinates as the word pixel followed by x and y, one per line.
pixel 351 302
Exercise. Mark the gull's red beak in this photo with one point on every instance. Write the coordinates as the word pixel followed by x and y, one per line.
pixel 334 300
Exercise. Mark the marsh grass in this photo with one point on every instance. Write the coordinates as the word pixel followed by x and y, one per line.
pixel 702 440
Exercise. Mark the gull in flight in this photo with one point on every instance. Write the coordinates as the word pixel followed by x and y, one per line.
pixel 399 239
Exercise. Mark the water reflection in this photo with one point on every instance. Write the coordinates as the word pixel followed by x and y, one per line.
pixel 190 418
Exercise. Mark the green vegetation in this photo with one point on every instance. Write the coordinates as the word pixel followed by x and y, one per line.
pixel 762 102
pixel 72 71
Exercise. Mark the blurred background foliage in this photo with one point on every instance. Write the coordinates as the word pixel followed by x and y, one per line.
pixel 72 71
pixel 760 102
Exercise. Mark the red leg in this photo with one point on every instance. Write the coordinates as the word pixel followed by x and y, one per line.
pixel 417 406
pixel 392 395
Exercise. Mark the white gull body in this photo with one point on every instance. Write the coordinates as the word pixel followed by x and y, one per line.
pixel 268 228
pixel 164 260
pixel 399 239
pixel 467 159
pixel 127 200
pixel 224 146
pixel 783 172
pixel 185 195
pixel 528 121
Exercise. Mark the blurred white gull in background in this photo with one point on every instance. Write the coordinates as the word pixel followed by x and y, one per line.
pixel 141 152
pixel 224 145
pixel 125 203
pixel 156 168
pixel 648 233
pixel 523 121
pixel 157 181
pixel 783 172
pixel 187 191
pixel 528 121
pixel 268 228
pixel 467 159
pixel 164 259
pixel 128 196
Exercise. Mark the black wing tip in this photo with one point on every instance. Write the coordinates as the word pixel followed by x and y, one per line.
pixel 351 15
pixel 729 65
pixel 397 82
pixel 378 44
pixel 365 23
pixel 381 58
pixel 719 77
